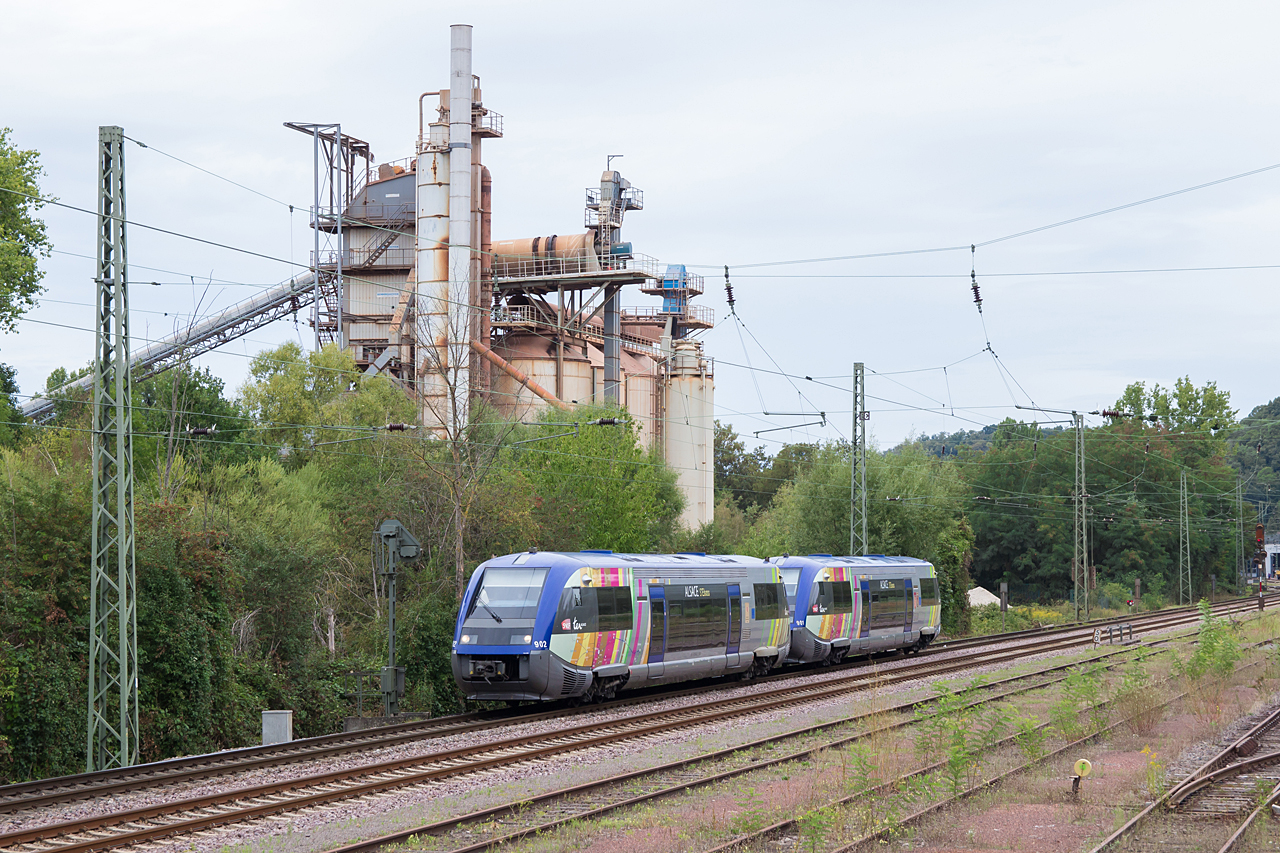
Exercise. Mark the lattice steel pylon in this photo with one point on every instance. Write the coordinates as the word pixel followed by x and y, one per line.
pixel 1080 569
pixel 1240 558
pixel 858 471
pixel 1184 545
pixel 113 629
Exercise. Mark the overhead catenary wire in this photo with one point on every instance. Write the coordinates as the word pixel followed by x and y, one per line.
pixel 797 389
pixel 1006 237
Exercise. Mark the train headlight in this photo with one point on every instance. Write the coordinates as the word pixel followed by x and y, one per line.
pixel 528 638
pixel 466 638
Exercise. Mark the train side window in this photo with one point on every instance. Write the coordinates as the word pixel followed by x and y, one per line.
pixel 771 601
pixel 834 597
pixel 843 599
pixel 614 604
pixel 579 611
pixel 928 592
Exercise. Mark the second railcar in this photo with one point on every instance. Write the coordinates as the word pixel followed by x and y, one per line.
pixel 849 606
pixel 545 626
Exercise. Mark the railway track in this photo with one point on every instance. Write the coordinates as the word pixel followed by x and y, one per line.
pixel 1213 807
pixel 183 771
pixel 787 833
pixel 548 812
pixel 196 814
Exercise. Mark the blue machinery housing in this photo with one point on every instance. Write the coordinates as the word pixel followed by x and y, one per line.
pixel 582 626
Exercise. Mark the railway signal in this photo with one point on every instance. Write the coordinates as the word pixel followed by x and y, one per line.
pixel 393 544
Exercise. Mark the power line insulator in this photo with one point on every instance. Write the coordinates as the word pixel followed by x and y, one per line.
pixel 210 430
pixel 728 288
pixel 400 427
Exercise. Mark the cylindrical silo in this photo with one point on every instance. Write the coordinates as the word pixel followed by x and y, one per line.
pixel 689 430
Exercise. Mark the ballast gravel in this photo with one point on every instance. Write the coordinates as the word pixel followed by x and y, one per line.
pixel 328 826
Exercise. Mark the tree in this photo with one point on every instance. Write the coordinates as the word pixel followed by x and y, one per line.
pixel 1183 408
pixel 289 389
pixel 739 472
pixel 10 415
pixel 22 236
pixel 1256 456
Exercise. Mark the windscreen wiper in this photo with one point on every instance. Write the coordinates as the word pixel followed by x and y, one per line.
pixel 496 617
pixel 482 598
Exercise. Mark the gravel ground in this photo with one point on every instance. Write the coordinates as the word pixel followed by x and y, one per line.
pixel 317 829
pixel 323 827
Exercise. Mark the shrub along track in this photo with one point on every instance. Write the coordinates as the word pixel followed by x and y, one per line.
pixel 200 813
pixel 45 792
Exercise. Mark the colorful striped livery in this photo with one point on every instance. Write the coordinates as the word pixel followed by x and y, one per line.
pixel 544 626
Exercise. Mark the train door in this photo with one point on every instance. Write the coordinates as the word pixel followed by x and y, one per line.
pixel 864 626
pixel 735 619
pixel 911 601
pixel 657 629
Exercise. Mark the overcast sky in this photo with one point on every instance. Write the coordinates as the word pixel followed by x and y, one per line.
pixel 759 132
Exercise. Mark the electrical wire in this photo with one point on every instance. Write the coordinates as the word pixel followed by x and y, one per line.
pixel 1006 237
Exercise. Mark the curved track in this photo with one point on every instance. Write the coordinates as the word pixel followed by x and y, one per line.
pixel 1214 805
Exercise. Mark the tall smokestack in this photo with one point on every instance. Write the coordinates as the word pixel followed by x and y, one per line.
pixel 460 307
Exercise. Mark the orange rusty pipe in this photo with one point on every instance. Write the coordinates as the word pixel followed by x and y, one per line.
pixel 518 375
pixel 486 270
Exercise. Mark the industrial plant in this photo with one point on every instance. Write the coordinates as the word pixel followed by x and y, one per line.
pixel 406 275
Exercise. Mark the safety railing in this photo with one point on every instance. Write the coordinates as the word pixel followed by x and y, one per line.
pixel 488 121
pixel 675 283
pixel 578 263
pixel 632 198
pixel 396 256
pixel 690 315
pixel 380 213
pixel 515 315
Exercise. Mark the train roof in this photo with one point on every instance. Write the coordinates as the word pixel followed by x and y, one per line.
pixel 611 559
pixel 863 560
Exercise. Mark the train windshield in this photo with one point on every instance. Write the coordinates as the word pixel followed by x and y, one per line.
pixel 508 593
pixel 791 578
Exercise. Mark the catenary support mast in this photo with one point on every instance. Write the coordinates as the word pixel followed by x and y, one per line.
pixel 1081 569
pixel 1184 546
pixel 858 472
pixel 113 645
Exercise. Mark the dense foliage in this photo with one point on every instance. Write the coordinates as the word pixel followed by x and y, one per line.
pixel 22 235
pixel 256 587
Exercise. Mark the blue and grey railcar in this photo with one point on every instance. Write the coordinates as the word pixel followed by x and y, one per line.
pixel 582 626
pixel 850 606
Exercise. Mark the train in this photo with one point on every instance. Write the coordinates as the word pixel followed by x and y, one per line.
pixel 582 626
